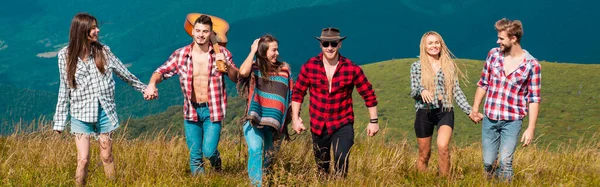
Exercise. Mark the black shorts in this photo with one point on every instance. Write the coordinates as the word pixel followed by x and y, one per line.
pixel 426 121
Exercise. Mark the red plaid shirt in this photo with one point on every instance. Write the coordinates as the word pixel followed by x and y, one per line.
pixel 332 110
pixel 180 63
pixel 507 95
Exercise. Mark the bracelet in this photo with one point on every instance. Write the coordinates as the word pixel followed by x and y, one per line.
pixel 374 120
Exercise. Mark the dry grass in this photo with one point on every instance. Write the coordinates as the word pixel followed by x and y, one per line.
pixel 42 158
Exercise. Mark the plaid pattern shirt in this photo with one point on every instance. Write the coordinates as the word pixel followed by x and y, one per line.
pixel 507 95
pixel 93 88
pixel 416 87
pixel 330 110
pixel 180 63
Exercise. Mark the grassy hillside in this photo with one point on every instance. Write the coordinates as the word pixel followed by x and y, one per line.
pixel 31 106
pixel 568 110
pixel 46 159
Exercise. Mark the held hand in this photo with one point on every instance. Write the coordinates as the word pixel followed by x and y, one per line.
pixel 372 129
pixel 254 46
pixel 151 92
pixel 476 117
pixel 527 137
pixel 427 96
pixel 298 126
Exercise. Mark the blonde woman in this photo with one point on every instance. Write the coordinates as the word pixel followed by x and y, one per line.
pixel 434 86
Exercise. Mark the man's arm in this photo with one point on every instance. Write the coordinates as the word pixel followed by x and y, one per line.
pixel 365 89
pixel 475 115
pixel 373 126
pixel 232 70
pixel 297 123
pixel 534 109
pixel 482 86
pixel 168 69
pixel 155 79
pixel 534 98
pixel 151 91
pixel 298 93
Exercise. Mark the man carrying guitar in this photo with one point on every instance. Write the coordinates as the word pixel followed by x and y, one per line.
pixel 203 87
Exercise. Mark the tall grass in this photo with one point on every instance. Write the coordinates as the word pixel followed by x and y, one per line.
pixel 43 158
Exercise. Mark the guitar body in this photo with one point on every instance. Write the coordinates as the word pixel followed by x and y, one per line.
pixel 220 26
pixel 220 29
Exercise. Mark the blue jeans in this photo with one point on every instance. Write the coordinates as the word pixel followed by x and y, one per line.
pixel 260 150
pixel 202 138
pixel 502 136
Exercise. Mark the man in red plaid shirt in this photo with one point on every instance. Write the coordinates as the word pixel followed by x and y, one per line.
pixel 510 80
pixel 330 79
pixel 204 94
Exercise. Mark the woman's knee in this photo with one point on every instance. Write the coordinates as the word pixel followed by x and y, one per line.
pixel 442 149
pixel 424 151
pixel 82 161
pixel 106 157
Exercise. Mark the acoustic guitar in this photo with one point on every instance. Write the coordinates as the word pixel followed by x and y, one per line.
pixel 219 36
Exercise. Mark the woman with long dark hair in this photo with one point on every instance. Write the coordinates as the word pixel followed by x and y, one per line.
pixel 267 84
pixel 87 93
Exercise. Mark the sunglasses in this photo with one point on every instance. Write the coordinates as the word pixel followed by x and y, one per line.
pixel 327 44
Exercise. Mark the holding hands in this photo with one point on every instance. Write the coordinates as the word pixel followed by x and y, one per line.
pixel 475 116
pixel 297 124
pixel 151 92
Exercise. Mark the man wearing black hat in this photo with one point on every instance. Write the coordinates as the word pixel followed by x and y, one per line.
pixel 330 79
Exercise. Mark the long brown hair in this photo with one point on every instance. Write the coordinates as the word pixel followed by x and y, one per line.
pixel 81 25
pixel 262 61
pixel 447 63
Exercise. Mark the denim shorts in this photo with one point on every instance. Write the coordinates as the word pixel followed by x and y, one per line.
pixel 102 126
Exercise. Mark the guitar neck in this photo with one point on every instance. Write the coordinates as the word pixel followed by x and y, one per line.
pixel 216 46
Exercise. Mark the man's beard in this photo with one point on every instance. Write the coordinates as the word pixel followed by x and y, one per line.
pixel 506 48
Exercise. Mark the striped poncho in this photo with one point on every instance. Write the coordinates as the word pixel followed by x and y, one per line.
pixel 268 100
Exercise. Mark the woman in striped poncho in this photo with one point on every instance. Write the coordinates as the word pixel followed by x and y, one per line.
pixel 267 85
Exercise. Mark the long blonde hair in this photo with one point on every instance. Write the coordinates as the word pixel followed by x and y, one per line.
pixel 448 66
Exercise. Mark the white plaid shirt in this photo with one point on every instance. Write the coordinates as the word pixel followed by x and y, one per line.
pixel 417 88
pixel 93 88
